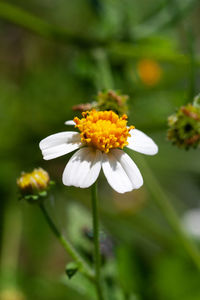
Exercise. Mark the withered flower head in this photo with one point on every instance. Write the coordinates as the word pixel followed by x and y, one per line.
pixel 82 107
pixel 106 100
pixel 184 126
pixel 112 100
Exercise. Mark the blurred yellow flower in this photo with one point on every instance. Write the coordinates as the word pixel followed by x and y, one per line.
pixel 149 71
pixel 34 182
pixel 11 294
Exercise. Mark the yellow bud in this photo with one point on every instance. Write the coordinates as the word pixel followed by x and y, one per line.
pixel 34 182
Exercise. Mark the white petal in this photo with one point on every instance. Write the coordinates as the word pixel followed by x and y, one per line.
pixel 121 172
pixel 142 143
pixel 83 168
pixel 70 122
pixel 60 144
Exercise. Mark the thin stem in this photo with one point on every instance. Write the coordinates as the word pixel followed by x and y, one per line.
pixel 169 212
pixel 192 67
pixel 84 268
pixel 104 78
pixel 97 254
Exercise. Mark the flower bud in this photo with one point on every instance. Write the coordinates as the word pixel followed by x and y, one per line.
pixel 184 126
pixel 106 100
pixel 71 269
pixel 112 100
pixel 33 185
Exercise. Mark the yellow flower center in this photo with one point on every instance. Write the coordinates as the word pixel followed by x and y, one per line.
pixel 103 130
pixel 35 181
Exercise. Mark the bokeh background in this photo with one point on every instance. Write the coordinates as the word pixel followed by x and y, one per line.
pixel 56 54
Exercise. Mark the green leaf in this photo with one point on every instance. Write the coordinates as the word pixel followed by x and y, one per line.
pixel 71 269
pixel 43 194
pixel 82 286
pixel 127 270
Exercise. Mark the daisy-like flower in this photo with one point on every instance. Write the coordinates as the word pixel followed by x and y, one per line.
pixel 102 136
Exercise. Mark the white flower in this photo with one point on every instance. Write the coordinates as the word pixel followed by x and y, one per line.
pixel 102 134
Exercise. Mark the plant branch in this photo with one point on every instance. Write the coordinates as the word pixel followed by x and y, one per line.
pixel 84 268
pixel 97 254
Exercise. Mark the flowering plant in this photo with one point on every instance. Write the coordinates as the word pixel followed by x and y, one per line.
pixel 102 136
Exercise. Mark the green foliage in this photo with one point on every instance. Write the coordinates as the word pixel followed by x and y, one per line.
pixel 57 54
pixel 71 269
pixel 82 286
pixel 175 278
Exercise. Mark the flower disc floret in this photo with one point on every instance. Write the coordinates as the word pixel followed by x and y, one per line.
pixel 103 130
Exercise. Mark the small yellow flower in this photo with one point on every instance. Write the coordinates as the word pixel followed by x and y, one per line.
pixel 149 71
pixel 34 182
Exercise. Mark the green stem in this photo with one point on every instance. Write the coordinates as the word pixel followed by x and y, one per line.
pixel 192 67
pixel 84 268
pixel 97 254
pixel 9 258
pixel 104 78
pixel 163 202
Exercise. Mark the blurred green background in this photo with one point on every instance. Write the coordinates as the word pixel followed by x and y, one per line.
pixel 56 54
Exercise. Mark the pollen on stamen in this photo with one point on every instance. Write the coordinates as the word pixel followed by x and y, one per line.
pixel 103 130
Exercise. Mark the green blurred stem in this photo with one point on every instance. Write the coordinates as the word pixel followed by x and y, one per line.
pixel 84 268
pixel 97 254
pixel 104 78
pixel 192 67
pixel 12 229
pixel 163 202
